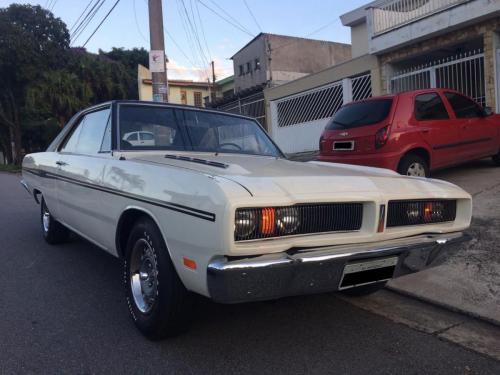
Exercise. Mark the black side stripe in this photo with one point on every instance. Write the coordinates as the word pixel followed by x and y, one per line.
pixel 451 145
pixel 171 206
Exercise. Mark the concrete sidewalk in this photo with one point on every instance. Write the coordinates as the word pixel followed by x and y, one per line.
pixel 470 280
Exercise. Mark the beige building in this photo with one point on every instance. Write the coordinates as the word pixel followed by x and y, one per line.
pixel 179 91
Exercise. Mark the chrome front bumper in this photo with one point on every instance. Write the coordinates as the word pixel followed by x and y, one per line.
pixel 270 276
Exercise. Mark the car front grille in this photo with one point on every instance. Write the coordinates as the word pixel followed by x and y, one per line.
pixel 416 212
pixel 297 220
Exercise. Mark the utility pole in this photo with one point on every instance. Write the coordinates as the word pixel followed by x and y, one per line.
pixel 213 82
pixel 157 64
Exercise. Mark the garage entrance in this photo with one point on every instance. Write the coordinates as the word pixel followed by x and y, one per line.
pixel 463 72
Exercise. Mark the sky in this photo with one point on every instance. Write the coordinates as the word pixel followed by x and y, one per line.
pixel 196 35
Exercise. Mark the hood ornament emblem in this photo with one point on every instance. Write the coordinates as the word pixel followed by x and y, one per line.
pixel 344 134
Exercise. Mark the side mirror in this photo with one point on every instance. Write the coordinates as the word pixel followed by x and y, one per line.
pixel 488 111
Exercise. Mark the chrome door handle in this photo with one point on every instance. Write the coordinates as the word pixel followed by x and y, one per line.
pixel 61 163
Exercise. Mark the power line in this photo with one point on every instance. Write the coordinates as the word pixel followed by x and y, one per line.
pixel 168 35
pixel 203 57
pixel 251 14
pixel 104 19
pixel 86 21
pixel 230 16
pixel 79 26
pixel 225 19
pixel 191 37
pixel 202 28
pixel 53 5
pixel 137 24
pixel 194 32
pixel 181 50
pixel 80 16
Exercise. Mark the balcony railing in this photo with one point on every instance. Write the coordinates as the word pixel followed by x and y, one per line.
pixel 391 14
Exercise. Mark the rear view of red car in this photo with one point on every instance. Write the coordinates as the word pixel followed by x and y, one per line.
pixel 412 133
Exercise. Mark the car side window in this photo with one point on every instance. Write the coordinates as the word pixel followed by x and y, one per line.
pixel 147 136
pixel 464 107
pixel 430 107
pixel 106 140
pixel 132 137
pixel 71 142
pixel 91 135
pixel 156 126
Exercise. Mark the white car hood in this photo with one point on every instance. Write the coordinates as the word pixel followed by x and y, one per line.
pixel 267 176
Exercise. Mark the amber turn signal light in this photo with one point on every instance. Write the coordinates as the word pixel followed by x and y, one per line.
pixel 189 263
pixel 268 221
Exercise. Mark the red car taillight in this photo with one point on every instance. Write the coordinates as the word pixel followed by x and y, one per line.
pixel 381 137
pixel 321 142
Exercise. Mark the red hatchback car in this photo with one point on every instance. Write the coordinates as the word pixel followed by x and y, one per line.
pixel 412 133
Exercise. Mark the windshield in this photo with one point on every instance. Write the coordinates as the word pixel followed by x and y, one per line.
pixel 163 128
pixel 360 114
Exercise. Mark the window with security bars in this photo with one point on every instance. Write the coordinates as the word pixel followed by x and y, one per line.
pixel 310 106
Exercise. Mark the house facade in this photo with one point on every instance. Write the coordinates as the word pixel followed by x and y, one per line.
pixel 269 60
pixel 179 91
pixel 407 45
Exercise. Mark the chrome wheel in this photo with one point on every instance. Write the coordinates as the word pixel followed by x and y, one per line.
pixel 144 276
pixel 46 218
pixel 416 169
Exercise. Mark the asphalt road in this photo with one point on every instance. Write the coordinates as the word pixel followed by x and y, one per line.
pixel 62 310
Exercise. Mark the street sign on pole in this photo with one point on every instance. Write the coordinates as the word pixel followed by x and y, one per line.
pixel 156 61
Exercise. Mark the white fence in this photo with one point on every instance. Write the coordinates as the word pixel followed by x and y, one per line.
pixel 252 105
pixel 394 13
pixel 297 120
pixel 463 72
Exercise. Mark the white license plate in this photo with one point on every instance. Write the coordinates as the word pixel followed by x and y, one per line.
pixel 343 145
pixel 355 273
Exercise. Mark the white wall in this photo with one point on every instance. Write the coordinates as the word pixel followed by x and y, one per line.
pixel 359 40
pixel 301 137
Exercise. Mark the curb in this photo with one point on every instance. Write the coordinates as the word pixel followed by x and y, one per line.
pixel 443 305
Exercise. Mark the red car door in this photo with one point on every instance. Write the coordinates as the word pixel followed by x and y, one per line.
pixel 433 122
pixel 478 136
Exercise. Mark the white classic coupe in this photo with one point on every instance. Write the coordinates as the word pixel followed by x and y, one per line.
pixel 213 207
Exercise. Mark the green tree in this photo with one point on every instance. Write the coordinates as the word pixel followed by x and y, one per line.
pixel 32 41
pixel 130 59
pixel 44 82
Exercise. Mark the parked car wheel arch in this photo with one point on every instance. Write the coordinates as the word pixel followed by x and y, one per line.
pixel 125 224
pixel 419 151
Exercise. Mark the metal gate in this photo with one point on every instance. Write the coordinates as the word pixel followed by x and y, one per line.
pixel 252 105
pixel 297 120
pixel 463 72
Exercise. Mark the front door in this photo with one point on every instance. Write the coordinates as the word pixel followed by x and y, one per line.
pixel 435 127
pixel 83 158
pixel 477 132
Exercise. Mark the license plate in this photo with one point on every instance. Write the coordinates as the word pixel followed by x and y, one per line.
pixel 363 272
pixel 343 146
